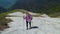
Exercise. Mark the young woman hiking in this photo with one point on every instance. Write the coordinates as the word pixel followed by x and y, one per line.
pixel 28 18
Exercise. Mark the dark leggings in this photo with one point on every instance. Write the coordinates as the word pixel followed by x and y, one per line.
pixel 27 24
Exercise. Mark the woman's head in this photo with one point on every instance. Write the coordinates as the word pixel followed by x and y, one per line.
pixel 27 12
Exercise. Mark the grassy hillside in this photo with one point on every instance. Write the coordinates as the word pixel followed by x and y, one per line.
pixel 49 7
pixel 4 21
pixel 53 12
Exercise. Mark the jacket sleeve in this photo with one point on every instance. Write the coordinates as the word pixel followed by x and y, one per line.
pixel 31 17
pixel 24 17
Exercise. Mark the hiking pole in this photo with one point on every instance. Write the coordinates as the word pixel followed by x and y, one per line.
pixel 23 24
pixel 23 21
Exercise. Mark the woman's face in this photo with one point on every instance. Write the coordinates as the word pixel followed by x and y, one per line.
pixel 27 13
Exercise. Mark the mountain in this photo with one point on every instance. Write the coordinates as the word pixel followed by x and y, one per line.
pixel 28 4
pixel 39 6
pixel 2 9
pixel 33 5
pixel 7 3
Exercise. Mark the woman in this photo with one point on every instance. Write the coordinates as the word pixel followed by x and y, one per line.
pixel 28 18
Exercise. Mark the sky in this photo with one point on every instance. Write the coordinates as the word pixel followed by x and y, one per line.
pixel 7 3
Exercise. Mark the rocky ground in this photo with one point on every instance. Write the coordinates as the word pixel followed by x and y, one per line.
pixel 46 25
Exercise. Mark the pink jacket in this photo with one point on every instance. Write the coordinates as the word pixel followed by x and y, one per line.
pixel 28 17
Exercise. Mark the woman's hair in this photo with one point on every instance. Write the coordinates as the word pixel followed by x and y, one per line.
pixel 27 12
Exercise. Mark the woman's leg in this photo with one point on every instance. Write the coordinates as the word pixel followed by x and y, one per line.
pixel 27 24
pixel 30 24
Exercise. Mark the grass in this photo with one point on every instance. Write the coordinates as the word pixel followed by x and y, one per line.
pixel 8 12
pixel 3 20
pixel 5 13
pixel 55 15
pixel 23 11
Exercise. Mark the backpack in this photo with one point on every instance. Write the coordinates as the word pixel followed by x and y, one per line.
pixel 30 17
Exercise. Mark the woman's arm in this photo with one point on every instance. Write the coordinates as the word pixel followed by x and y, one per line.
pixel 24 17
